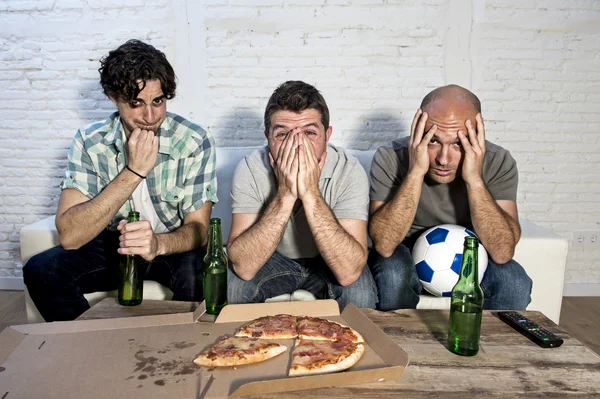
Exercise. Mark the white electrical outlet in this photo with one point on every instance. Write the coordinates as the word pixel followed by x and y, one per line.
pixel 586 239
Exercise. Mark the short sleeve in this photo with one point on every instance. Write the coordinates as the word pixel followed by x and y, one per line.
pixel 81 174
pixel 244 190
pixel 200 183
pixel 502 176
pixel 383 176
pixel 353 201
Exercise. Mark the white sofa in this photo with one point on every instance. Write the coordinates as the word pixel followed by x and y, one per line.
pixel 541 252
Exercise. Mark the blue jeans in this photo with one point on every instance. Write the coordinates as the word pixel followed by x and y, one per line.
pixel 504 286
pixel 58 278
pixel 282 275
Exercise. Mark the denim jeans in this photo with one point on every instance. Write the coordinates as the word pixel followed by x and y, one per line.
pixel 504 286
pixel 57 278
pixel 282 275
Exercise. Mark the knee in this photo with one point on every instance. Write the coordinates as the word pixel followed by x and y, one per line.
pixel 37 269
pixel 521 280
pixel 238 290
pixel 515 277
pixel 398 268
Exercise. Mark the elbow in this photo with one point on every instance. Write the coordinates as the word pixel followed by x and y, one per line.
pixel 383 250
pixel 244 273
pixel 351 278
pixel 503 257
pixel 68 242
pixel 348 280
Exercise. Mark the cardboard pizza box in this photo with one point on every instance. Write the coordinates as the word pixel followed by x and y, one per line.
pixel 152 356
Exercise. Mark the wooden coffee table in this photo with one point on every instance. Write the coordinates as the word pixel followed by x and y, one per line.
pixel 508 364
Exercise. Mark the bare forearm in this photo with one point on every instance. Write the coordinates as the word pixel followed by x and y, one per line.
pixel 389 225
pixel 498 232
pixel 186 238
pixel 342 253
pixel 79 224
pixel 252 249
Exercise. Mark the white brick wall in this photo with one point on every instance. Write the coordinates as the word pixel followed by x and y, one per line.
pixel 533 63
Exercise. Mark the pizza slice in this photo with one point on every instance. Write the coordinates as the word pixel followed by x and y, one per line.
pixel 236 351
pixel 319 356
pixel 281 326
pixel 322 329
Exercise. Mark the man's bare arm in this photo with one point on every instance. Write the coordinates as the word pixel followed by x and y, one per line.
pixel 342 244
pixel 496 223
pixel 254 238
pixel 390 222
pixel 80 219
pixel 192 234
pixel 137 238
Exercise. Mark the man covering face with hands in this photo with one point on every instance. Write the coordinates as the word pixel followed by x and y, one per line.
pixel 445 172
pixel 299 209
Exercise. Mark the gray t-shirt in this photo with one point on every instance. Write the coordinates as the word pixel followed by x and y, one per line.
pixel 343 184
pixel 441 203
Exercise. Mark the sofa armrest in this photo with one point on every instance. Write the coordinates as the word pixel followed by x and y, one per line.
pixel 543 254
pixel 38 237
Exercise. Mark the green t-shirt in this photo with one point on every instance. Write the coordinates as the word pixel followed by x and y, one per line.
pixel 441 203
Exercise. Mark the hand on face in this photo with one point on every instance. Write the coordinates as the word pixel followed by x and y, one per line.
pixel 417 145
pixel 473 143
pixel 142 151
pixel 137 238
pixel 285 165
pixel 309 168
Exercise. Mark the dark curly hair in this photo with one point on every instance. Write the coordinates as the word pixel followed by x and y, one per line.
pixel 296 96
pixel 122 70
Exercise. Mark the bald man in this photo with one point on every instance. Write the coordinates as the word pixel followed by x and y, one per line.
pixel 445 172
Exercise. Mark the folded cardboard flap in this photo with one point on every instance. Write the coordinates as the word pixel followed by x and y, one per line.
pixel 251 311
pixel 61 327
pixel 379 341
pixel 199 311
pixel 9 339
pixel 317 381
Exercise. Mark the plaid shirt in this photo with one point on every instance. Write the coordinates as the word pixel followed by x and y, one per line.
pixel 182 180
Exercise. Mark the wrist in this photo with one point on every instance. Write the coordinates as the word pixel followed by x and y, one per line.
pixel 138 173
pixel 159 245
pixel 416 175
pixel 475 183
pixel 310 198
pixel 285 199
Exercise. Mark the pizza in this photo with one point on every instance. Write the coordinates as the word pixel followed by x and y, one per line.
pixel 281 326
pixel 236 351
pixel 324 356
pixel 323 346
pixel 321 329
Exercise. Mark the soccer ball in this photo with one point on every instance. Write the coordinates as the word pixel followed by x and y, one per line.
pixel 438 253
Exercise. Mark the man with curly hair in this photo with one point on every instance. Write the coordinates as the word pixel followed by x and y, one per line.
pixel 141 157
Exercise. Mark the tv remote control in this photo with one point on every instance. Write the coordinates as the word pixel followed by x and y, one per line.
pixel 531 330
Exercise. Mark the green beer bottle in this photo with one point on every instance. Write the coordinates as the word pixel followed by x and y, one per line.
pixel 131 281
pixel 215 270
pixel 466 304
